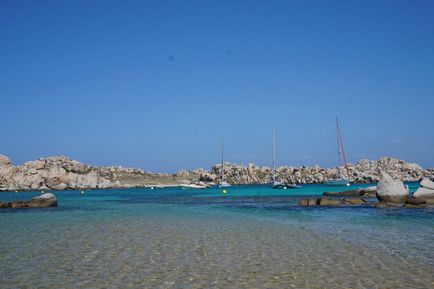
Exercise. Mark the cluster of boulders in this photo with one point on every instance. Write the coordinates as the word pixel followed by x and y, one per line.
pixel 425 191
pixel 365 171
pixel 389 192
pixel 43 201
pixel 60 173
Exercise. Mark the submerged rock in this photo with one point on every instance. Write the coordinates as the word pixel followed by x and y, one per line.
pixel 391 191
pixel 329 202
pixel 308 202
pixel 415 203
pixel 388 205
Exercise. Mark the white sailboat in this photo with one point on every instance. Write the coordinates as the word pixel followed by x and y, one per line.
pixel 279 184
pixel 341 180
pixel 223 183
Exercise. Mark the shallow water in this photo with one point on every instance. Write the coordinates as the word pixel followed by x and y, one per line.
pixel 252 237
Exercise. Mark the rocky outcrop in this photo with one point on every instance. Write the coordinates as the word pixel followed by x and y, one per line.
pixel 61 173
pixel 308 202
pixel 329 202
pixel 415 203
pixel 43 201
pixel 390 190
pixel 369 192
pixel 365 171
pixel 425 191
pixel 354 201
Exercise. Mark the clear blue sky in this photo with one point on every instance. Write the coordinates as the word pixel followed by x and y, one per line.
pixel 160 84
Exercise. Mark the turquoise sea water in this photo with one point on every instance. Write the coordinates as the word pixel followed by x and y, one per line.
pixel 251 237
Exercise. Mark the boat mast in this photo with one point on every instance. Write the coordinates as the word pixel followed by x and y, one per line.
pixel 274 156
pixel 223 166
pixel 343 153
pixel 339 147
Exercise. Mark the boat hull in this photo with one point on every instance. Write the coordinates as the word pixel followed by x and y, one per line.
pixel 283 186
pixel 224 185
pixel 338 183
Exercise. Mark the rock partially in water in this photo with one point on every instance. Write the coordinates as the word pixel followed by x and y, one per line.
pixel 425 191
pixel 43 201
pixel 411 206
pixel 369 192
pixel 354 201
pixel 390 190
pixel 415 203
pixel 352 193
pixel 388 205
pixel 427 183
pixel 329 202
pixel 308 202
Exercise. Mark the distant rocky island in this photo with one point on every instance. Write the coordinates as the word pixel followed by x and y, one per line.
pixel 63 173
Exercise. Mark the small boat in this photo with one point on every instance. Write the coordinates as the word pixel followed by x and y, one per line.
pixel 223 183
pixel 278 184
pixel 284 186
pixel 341 180
pixel 154 187
pixel 193 186
pixel 338 183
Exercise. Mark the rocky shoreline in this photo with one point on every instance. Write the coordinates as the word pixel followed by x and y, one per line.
pixel 63 173
pixel 389 193
pixel 365 171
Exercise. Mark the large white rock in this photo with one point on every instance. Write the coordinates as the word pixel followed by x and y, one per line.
pixel 5 161
pixel 45 196
pixel 60 187
pixel 391 190
pixel 426 183
pixel 426 190
pixel 423 192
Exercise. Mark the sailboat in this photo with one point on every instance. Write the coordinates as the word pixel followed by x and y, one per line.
pixel 278 184
pixel 223 183
pixel 341 180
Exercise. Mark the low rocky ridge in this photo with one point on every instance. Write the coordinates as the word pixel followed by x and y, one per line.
pixel 389 193
pixel 61 173
pixel 365 171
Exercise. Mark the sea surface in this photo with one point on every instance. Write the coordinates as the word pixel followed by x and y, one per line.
pixel 250 237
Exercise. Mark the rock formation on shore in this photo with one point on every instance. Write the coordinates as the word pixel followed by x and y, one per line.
pixel 365 171
pixel 425 191
pixel 60 173
pixel 390 190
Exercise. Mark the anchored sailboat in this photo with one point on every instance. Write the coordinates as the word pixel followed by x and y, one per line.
pixel 223 183
pixel 341 180
pixel 278 184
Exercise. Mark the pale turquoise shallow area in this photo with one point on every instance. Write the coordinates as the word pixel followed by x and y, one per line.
pixel 252 237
